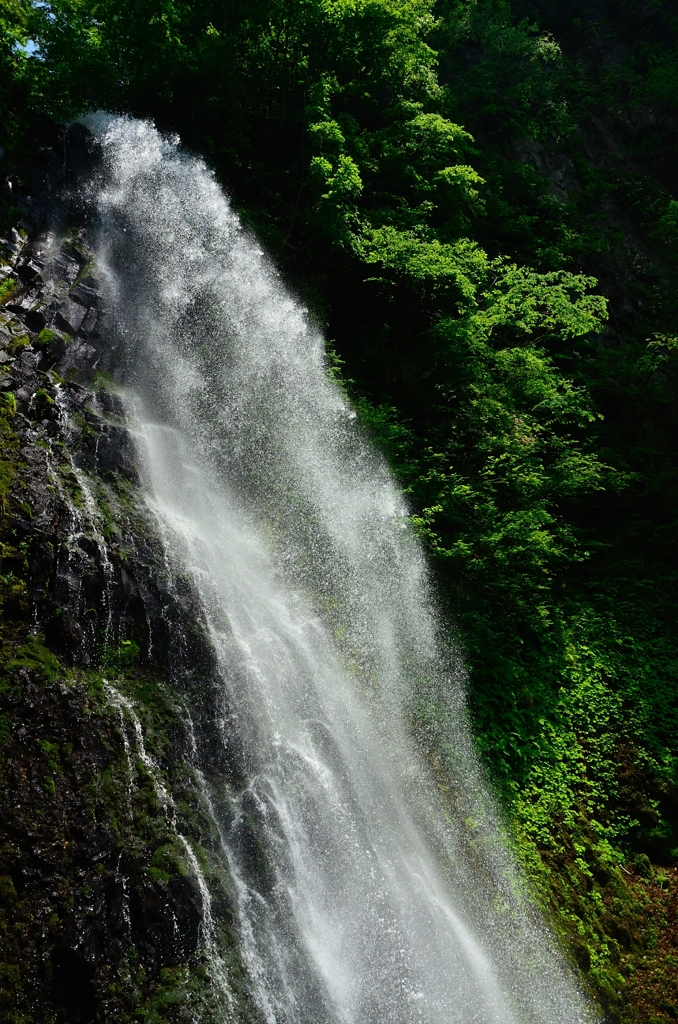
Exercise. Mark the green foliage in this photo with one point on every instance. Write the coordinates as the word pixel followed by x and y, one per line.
pixel 7 289
pixel 419 261
pixel 492 488
pixel 122 657
pixel 33 655
pixel 14 18
pixel 446 182
pixel 7 443
pixel 44 337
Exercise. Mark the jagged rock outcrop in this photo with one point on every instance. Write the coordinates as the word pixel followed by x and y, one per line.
pixel 113 899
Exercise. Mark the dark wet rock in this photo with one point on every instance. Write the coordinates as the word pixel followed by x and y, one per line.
pixel 67 267
pixel 35 320
pixel 89 323
pixel 29 361
pixel 85 294
pixel 28 272
pixel 82 893
pixel 93 889
pixel 24 301
pixel 70 316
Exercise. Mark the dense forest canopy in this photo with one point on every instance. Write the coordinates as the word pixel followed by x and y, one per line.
pixel 478 200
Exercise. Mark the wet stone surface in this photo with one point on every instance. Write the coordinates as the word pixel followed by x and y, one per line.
pixel 107 855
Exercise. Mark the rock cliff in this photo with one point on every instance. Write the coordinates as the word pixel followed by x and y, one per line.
pixel 114 903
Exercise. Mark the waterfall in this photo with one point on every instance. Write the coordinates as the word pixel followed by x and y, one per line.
pixel 371 879
pixel 126 711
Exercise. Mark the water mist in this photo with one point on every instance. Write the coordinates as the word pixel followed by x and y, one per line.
pixel 370 880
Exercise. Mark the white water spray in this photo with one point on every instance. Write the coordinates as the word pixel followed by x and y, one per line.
pixel 215 964
pixel 363 896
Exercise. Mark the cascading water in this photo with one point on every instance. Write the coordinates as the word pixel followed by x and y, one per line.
pixel 371 883
pixel 126 711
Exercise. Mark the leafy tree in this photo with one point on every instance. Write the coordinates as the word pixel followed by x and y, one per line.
pixel 13 37
pixel 446 182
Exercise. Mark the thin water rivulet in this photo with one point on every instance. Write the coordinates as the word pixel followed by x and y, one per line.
pixel 371 882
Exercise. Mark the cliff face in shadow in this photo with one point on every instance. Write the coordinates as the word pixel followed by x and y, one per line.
pixel 114 901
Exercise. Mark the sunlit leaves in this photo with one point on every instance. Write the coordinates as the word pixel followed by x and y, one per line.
pixel 461 264
pixel 541 303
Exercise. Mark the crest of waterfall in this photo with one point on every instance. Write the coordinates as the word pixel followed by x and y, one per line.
pixel 371 879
